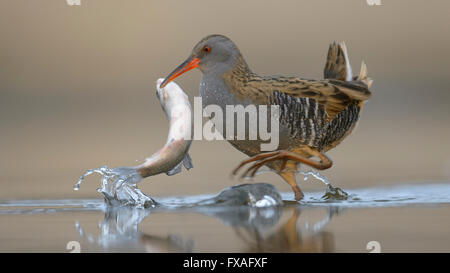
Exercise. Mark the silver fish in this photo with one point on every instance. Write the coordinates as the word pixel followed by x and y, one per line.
pixel 174 154
pixel 119 183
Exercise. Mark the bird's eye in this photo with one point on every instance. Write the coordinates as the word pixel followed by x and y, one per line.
pixel 206 49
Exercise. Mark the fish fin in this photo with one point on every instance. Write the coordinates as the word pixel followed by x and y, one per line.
pixel 187 162
pixel 175 170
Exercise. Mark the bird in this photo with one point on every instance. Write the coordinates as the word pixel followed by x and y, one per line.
pixel 315 115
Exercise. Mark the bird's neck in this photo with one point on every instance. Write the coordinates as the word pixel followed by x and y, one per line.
pixel 239 80
pixel 241 69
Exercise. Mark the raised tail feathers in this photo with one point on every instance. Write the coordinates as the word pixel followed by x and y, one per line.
pixel 338 66
pixel 362 77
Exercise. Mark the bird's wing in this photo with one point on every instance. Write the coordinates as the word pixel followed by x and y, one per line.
pixel 334 95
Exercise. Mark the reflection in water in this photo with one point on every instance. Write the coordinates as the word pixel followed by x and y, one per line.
pixel 289 237
pixel 291 227
pixel 119 229
pixel 250 209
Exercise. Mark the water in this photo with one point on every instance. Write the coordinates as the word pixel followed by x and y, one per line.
pixel 119 187
pixel 257 195
pixel 394 216
pixel 332 193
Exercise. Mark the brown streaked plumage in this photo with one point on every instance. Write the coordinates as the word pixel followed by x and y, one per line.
pixel 315 115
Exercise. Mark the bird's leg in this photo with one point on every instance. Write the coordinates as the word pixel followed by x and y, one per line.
pixel 289 177
pixel 256 166
pixel 254 158
pixel 289 160
pixel 265 158
pixel 287 169
pixel 325 161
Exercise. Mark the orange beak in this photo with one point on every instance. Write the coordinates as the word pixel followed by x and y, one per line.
pixel 187 65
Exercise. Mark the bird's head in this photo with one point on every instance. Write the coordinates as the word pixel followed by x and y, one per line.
pixel 214 53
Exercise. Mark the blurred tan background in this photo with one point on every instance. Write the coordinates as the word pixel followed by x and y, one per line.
pixel 77 87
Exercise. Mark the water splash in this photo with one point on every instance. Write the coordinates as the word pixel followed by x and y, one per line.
pixel 119 187
pixel 314 174
pixel 331 193
pixel 334 193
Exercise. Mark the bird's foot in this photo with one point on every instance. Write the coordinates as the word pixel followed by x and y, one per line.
pixel 298 193
pixel 260 160
pixel 264 158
